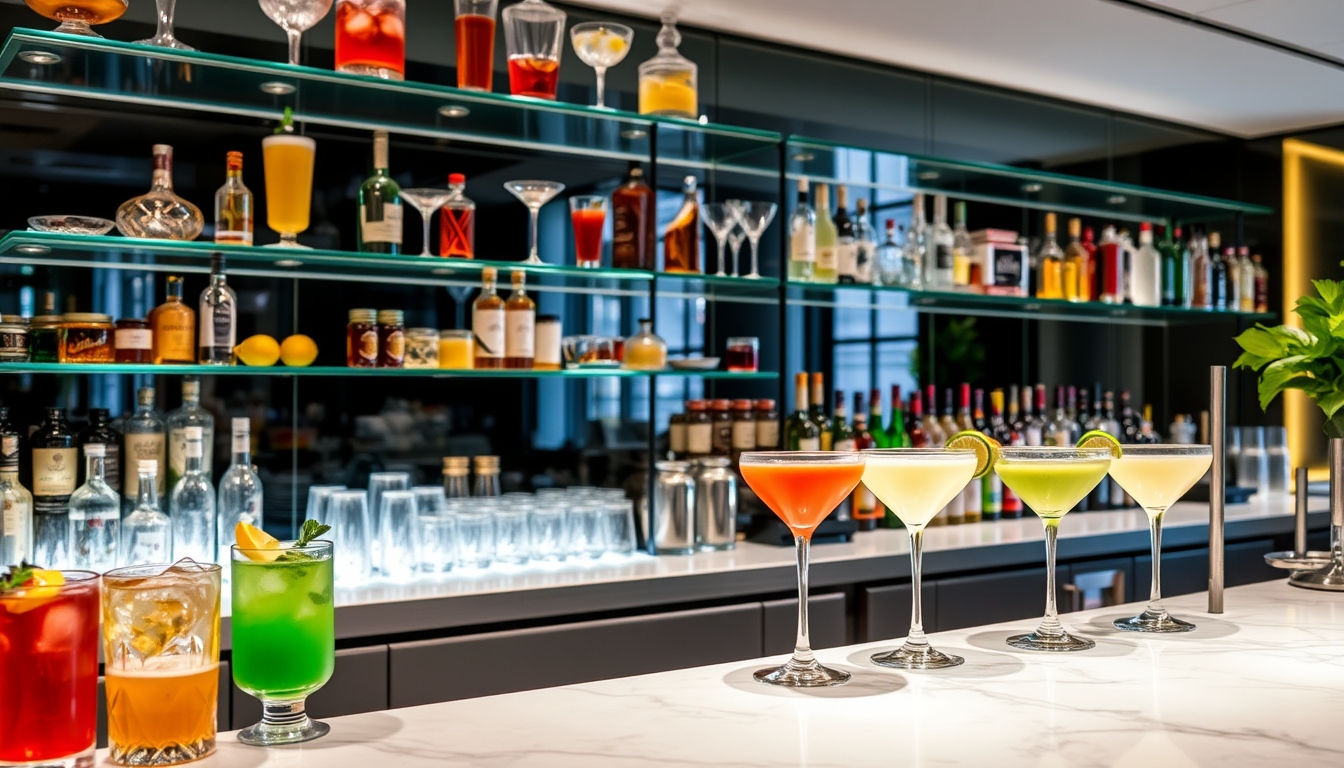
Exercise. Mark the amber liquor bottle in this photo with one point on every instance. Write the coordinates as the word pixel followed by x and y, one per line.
pixel 173 328
pixel 632 237
pixel 233 205
pixel 487 323
pixel 520 325
pixel 681 242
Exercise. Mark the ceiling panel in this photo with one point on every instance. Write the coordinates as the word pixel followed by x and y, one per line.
pixel 1305 23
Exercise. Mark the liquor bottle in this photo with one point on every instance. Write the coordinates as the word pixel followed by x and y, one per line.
pixel 54 460
pixel 818 411
pixel 1246 282
pixel 827 268
pixel 233 205
pixel 239 498
pixel 919 436
pixel 146 533
pixel 938 276
pixel 191 414
pixel 1049 264
pixel 95 515
pixel 100 432
pixel 1232 261
pixel 219 318
pixel 457 221
pixel 897 436
pixel 1036 428
pixel 1059 430
pixel 144 438
pixel 881 437
pixel 867 512
pixel 991 486
pixel 173 327
pixel 16 503
pixel 1111 267
pixel 842 434
pixel 192 501
pixel 380 213
pixel 1172 267
pixel 964 268
pixel 160 213
pixel 1080 416
pixel 632 223
pixel 889 268
pixel 972 498
pixel 918 264
pixel 802 238
pixel 1077 265
pixel 1201 270
pixel 520 324
pixel 948 421
pixel 801 432
pixel 978 411
pixel 1222 280
pixel 846 243
pixel 1003 429
pixel 865 238
pixel 1099 498
pixel 937 437
pixel 487 323
pixel 1071 412
pixel 1129 420
pixel 681 241
pixel 1261 285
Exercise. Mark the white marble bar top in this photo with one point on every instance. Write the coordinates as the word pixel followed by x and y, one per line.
pixel 1260 685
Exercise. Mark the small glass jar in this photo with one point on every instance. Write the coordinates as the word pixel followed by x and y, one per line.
pixel 133 341
pixel 361 339
pixel 721 420
pixel 699 429
pixel 547 349
pixel 86 337
pixel 645 351
pixel 422 348
pixel 676 435
pixel 44 338
pixel 741 355
pixel 744 429
pixel 13 339
pixel 391 338
pixel 767 425
pixel 456 350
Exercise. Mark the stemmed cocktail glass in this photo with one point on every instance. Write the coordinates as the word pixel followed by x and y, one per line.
pixel 915 483
pixel 719 218
pixel 534 194
pixel 756 215
pixel 76 15
pixel 163 37
pixel 1051 480
pixel 426 200
pixel 295 17
pixel 802 488
pixel 735 240
pixel 1156 476
pixel 600 45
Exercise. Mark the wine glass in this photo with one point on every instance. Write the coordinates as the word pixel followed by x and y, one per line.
pixel 601 44
pixel 163 37
pixel 75 17
pixel 756 216
pixel 534 194
pixel 719 219
pixel 735 240
pixel 295 17
pixel 426 200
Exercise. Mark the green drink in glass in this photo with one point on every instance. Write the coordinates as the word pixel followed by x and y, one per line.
pixel 284 639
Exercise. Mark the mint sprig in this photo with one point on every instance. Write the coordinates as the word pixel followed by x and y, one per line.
pixel 286 123
pixel 17 575
pixel 310 531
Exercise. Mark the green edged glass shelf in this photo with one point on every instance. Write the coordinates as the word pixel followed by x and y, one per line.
pixel 824 161
pixel 95 68
pixel 737 290
pixel 375 373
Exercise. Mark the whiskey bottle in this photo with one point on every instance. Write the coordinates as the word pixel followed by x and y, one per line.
pixel 219 318
pixel 173 325
pixel 1050 264
pixel 520 325
pixel 54 457
pixel 95 515
pixel 380 211
pixel 144 440
pixel 16 503
pixel 233 205
pixel 100 432
pixel 487 323
pixel 681 241
pixel 146 533
pixel 191 414
pixel 632 233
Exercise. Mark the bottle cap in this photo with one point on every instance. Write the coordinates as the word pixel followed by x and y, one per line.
pixel 241 424
pixel 456 178
pixel 765 405
pixel 741 405
pixel 96 450
pixel 391 317
pixel 149 466
pixel 362 315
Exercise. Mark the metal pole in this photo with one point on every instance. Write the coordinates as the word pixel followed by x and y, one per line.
pixel 1217 485
pixel 1300 518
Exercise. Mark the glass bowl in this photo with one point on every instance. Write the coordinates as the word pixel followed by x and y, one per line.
pixel 71 225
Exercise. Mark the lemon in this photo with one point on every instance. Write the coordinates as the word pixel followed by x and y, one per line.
pixel 42 584
pixel 258 351
pixel 1098 439
pixel 257 544
pixel 986 449
pixel 298 351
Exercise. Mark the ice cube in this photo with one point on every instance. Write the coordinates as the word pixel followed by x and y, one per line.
pixel 60 627
pixel 273 581
pixel 147 643
pixel 391 26
pixel 360 25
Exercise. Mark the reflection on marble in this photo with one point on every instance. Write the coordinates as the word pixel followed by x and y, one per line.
pixel 1269 692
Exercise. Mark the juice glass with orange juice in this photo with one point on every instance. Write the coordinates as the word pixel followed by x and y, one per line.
pixel 288 160
pixel 802 488
pixel 456 350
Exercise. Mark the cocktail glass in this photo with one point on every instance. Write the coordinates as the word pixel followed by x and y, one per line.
pixel 295 17
pixel 371 38
pixel 49 672
pixel 735 240
pixel 802 488
pixel 534 194
pixel 475 28
pixel 288 161
pixel 600 45
pixel 284 636
pixel 533 31
pixel 76 15
pixel 163 37
pixel 756 217
pixel 426 200
pixel 588 214
pixel 719 218
pixel 915 483
pixel 161 649
pixel 1051 480
pixel 1156 476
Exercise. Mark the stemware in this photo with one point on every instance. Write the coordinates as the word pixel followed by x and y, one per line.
pixel 756 216
pixel 163 37
pixel 735 240
pixel 600 45
pixel 76 15
pixel 1051 480
pixel 802 488
pixel 1156 476
pixel 288 161
pixel 426 200
pixel 295 17
pixel 719 219
pixel 534 194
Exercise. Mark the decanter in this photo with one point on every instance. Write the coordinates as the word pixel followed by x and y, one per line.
pixel 645 351
pixel 160 213
pixel 667 81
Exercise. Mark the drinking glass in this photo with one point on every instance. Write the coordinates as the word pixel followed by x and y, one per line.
pixel 741 354
pixel 618 526
pixel 802 488
pixel 534 194
pixel 1157 476
pixel 915 483
pixel 719 218
pixel 546 532
pixel 1051 480
pixel 397 530
pixel 379 482
pixel 426 200
pixel 430 501
pixel 735 240
pixel 295 17
pixel 161 645
pixel 76 16
pixel 49 664
pixel 284 636
pixel 756 217
pixel 475 27
pixel 438 543
pixel 583 530
pixel 163 37
pixel 511 539
pixel 475 539
pixel 588 214
pixel 1253 464
pixel 1276 453
pixel 348 515
pixel 600 45
pixel 318 496
pixel 288 163
pixel 371 38
pixel 533 31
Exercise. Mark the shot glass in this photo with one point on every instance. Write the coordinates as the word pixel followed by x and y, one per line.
pixel 546 528
pixel 617 522
pixel 438 543
pixel 511 535
pixel 475 539
pixel 584 531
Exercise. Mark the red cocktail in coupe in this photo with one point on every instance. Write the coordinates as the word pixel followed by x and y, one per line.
pixel 475 44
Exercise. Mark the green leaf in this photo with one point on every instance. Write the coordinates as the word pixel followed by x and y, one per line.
pixel 1261 343
pixel 1331 402
pixel 1254 362
pixel 17 575
pixel 1332 292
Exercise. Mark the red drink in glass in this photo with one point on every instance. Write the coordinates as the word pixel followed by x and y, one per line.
pixel 49 671
pixel 371 38
pixel 741 354
pixel 532 76
pixel 588 213
pixel 475 52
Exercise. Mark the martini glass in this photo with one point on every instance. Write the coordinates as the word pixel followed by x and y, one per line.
pixel 163 37
pixel 534 194
pixel 719 218
pixel 295 17
pixel 426 200
pixel 601 44
pixel 735 240
pixel 1156 476
pixel 1051 480
pixel 756 216
pixel 802 488
pixel 915 483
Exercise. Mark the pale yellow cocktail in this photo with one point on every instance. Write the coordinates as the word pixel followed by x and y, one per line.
pixel 289 183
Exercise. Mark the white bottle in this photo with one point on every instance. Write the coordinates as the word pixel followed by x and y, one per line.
pixel 938 276
pixel 802 238
pixel 1145 280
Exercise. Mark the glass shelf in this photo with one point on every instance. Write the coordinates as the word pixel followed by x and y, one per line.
pixel 376 373
pixel 50 63
pixel 736 290
pixel 819 160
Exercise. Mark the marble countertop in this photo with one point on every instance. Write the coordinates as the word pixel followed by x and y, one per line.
pixel 1262 684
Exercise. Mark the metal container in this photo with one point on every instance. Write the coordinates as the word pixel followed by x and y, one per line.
pixel 715 504
pixel 13 340
pixel 673 509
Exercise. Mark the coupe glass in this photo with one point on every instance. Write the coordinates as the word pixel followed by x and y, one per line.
pixel 76 15
pixel 756 216
pixel 1156 476
pixel 1051 480
pixel 288 163
pixel 802 488
pixel 164 36
pixel 719 219
pixel 534 194
pixel 295 17
pixel 600 45
pixel 914 483
pixel 426 200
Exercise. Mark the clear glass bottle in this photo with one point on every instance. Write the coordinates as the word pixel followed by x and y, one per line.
pixel 54 460
pixel 457 221
pixel 160 213
pixel 802 238
pixel 645 351
pixel 890 259
pixel 380 211
pixel 827 268
pixel 218 318
pixel 520 324
pixel 681 241
pixel 938 273
pixel 917 248
pixel 963 251
pixel 239 497
pixel 233 205
pixel 667 82
pixel 191 414
pixel 1145 279
pixel 100 432
pixel 16 505
pixel 192 502
pixel 456 477
pixel 95 516
pixel 1050 264
pixel 146 533
pixel 865 238
pixel 487 476
pixel 487 323
pixel 144 438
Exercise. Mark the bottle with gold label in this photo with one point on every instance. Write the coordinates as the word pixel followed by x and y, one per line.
pixel 145 439
pixel 667 82
pixel 487 323
pixel 55 460
pixel 520 324
pixel 173 326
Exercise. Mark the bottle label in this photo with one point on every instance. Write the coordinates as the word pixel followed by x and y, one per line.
pixel 803 246
pixel 386 229
pixel 9 453
pixel 744 435
pixel 144 446
pixel 367 348
pixel 54 472
pixel 11 516
pixel 487 326
pixel 233 236
pixel 827 258
pixel 520 337
pixel 844 445
pixel 823 443
pixel 547 347
pixel 394 348
pixel 149 547
pixel 809 444
pixel 942 255
pixel 699 439
pixel 134 338
pixel 218 325
pixel 865 260
pixel 767 434
pixel 992 493
pixel 972 496
pixel 676 438
pixel 847 259
pixel 177 452
pixel 175 340
pixel 1033 436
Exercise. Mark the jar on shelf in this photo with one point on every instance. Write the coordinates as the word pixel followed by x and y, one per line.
pixel 361 339
pixel 133 341
pixel 547 348
pixel 422 348
pixel 86 337
pixel 699 429
pixel 667 82
pixel 645 351
pixel 744 429
pixel 13 339
pixel 676 435
pixel 44 339
pixel 721 421
pixel 456 350
pixel 391 338
pixel 742 354
pixel 767 425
